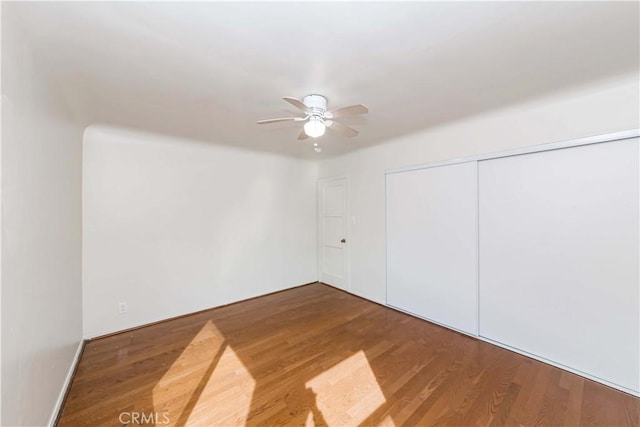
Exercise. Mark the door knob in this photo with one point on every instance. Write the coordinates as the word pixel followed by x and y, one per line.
pixel 343 241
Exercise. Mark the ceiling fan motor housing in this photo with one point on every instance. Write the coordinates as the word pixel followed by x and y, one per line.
pixel 317 104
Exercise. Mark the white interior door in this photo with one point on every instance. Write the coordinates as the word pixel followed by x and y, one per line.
pixel 332 215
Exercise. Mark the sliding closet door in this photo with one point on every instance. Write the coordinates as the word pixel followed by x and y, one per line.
pixel 559 257
pixel 431 244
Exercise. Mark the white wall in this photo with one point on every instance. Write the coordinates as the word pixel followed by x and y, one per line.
pixel 607 106
pixel 1 104
pixel 174 226
pixel 41 236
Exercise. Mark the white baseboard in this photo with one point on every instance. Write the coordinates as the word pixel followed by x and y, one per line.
pixel 67 383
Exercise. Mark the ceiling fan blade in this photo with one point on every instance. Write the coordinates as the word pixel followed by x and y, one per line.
pixel 296 103
pixel 282 119
pixel 347 111
pixel 303 135
pixel 340 128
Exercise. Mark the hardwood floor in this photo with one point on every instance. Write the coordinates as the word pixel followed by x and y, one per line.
pixel 316 355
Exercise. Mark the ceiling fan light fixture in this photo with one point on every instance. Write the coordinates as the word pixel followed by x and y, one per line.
pixel 317 118
pixel 315 127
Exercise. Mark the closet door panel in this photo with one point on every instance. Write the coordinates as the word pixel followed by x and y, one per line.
pixel 431 244
pixel 559 258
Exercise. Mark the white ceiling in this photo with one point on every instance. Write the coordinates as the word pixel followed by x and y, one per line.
pixel 210 70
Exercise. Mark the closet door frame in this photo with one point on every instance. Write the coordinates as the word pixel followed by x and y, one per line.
pixel 597 139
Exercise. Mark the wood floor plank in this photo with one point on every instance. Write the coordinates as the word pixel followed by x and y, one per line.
pixel 315 355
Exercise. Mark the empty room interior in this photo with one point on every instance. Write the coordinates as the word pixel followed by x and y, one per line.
pixel 320 213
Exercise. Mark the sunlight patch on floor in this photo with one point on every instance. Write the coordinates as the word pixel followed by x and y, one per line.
pixel 387 422
pixel 226 397
pixel 207 383
pixel 347 393
pixel 309 421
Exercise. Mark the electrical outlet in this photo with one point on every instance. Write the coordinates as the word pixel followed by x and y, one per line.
pixel 122 307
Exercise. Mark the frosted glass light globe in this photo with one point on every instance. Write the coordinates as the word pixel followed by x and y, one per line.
pixel 314 127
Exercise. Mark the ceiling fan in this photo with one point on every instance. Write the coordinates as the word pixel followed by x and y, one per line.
pixel 317 118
